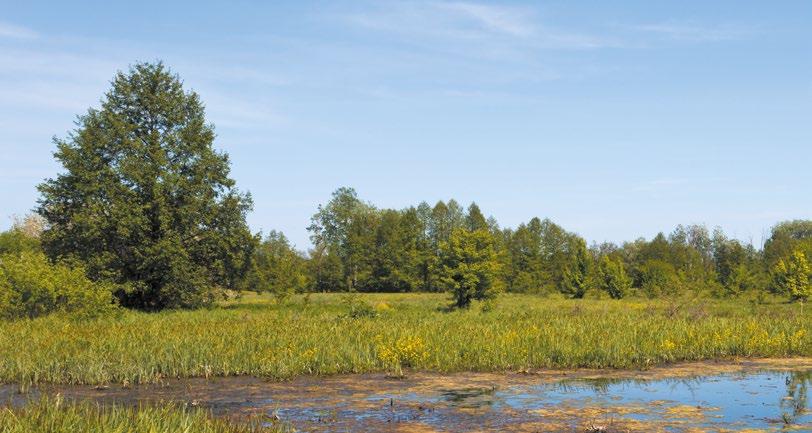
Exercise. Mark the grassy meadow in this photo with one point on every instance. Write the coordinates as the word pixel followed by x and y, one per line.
pixel 316 335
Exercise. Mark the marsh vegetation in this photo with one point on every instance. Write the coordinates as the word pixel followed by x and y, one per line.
pixel 317 334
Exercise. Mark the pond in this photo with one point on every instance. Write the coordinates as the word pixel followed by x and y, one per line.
pixel 759 396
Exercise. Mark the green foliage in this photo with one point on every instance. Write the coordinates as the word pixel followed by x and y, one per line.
pixel 475 220
pixel 525 267
pixel 791 276
pixel 787 237
pixel 325 270
pixel 278 267
pixel 357 307
pixel 738 280
pixel 344 228
pixel 576 279
pixel 612 277
pixel 540 257
pixel 469 266
pixel 658 278
pixel 23 235
pixel 359 247
pixel 15 242
pixel 31 286
pixel 145 201
pixel 398 259
pixel 55 415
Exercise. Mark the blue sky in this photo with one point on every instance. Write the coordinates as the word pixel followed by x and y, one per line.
pixel 615 119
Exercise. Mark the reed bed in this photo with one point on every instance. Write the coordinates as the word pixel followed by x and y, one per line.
pixel 316 336
pixel 54 415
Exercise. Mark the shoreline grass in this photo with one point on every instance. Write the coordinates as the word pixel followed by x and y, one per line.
pixel 56 415
pixel 255 336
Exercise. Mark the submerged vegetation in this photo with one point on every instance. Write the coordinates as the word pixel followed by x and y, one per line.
pixel 316 335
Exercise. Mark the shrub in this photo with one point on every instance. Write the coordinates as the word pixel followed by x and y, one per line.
pixel 469 267
pixel 31 286
pixel 357 307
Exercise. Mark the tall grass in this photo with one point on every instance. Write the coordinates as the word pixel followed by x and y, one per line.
pixel 53 415
pixel 257 337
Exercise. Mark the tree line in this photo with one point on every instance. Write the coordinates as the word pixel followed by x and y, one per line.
pixel 358 247
pixel 145 215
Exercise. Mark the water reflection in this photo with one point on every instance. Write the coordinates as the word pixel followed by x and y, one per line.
pixel 794 404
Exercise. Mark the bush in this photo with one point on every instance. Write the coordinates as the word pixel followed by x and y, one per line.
pixel 358 308
pixel 31 286
pixel 469 267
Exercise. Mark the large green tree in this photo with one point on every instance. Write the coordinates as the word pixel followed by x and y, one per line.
pixel 145 200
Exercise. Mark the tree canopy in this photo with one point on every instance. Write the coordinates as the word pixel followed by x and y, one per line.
pixel 145 201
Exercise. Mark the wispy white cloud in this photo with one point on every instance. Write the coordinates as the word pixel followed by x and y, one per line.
pixel 473 22
pixel 228 110
pixel 499 19
pixel 8 30
pixel 689 32
pixel 61 80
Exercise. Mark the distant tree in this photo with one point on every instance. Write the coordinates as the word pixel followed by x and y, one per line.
pixel 24 235
pixel 557 251
pixel 739 279
pixel 469 266
pixel 396 259
pixel 278 267
pixel 658 249
pixel 787 237
pixel 445 218
pixel 455 218
pixel 475 220
pixel 526 268
pixel 612 277
pixel 576 274
pixel 736 266
pixel 427 252
pixel 658 278
pixel 791 276
pixel 439 228
pixel 345 227
pixel 145 201
pixel 324 270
